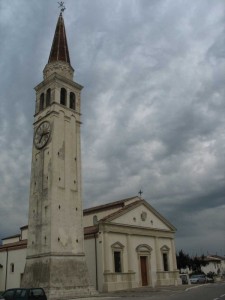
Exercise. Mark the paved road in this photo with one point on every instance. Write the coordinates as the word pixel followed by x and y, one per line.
pixel 204 292
pixel 215 291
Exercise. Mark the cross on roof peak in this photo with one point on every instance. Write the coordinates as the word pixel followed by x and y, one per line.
pixel 140 192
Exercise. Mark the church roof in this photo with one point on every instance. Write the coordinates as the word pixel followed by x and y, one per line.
pixel 59 50
pixel 104 207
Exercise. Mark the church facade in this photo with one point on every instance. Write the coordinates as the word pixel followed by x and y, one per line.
pixel 127 244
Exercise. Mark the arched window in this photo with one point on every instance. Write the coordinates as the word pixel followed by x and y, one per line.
pixel 72 101
pixel 48 97
pixel 42 101
pixel 63 96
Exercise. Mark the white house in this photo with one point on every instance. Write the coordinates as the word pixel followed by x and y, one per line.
pixel 216 265
pixel 127 244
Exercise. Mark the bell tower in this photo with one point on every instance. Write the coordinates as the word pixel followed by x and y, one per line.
pixel 55 255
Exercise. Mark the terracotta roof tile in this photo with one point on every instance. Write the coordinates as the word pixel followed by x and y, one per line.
pixel 127 207
pixel 90 229
pixel 115 204
pixel 14 246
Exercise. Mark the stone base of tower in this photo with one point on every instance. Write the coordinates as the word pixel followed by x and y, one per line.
pixel 62 277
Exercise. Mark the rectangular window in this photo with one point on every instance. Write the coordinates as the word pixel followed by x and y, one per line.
pixel 12 268
pixel 117 261
pixel 165 262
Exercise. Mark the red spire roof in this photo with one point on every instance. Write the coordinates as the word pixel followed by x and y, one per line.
pixel 59 50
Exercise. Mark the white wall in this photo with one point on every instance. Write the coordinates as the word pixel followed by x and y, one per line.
pixel 11 240
pixel 90 254
pixel 212 267
pixel 16 257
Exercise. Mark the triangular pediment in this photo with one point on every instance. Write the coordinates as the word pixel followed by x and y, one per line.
pixel 141 214
pixel 164 248
pixel 117 245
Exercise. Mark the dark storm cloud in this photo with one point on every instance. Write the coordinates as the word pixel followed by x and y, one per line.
pixel 153 106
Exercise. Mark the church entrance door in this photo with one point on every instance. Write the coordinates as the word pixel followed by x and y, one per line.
pixel 144 274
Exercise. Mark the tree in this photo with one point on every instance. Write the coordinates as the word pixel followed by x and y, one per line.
pixel 183 260
pixel 194 263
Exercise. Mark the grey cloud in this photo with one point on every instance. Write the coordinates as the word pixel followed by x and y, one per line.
pixel 152 104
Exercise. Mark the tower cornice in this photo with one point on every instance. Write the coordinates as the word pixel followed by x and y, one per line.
pixel 57 77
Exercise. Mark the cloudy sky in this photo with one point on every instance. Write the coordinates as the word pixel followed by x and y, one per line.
pixel 153 106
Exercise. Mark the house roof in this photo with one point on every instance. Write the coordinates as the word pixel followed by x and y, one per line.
pixel 215 258
pixel 218 256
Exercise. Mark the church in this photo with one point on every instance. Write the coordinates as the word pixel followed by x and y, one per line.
pixel 127 244
pixel 67 250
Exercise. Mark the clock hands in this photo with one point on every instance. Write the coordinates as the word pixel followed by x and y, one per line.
pixel 42 134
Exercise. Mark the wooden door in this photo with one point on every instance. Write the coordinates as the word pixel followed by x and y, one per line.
pixel 144 274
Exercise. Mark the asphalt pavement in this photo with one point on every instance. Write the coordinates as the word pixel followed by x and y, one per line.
pixel 150 292
pixel 147 291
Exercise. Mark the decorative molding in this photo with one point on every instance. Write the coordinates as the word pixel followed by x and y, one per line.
pixel 144 248
pixel 144 215
pixel 165 248
pixel 117 245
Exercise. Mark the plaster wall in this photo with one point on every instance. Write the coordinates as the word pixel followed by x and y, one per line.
pixel 90 254
pixel 96 255
pixel 12 279
pixel 24 234
pixel 215 267
pixel 130 256
pixel 3 259
pixel 11 240
pixel 134 244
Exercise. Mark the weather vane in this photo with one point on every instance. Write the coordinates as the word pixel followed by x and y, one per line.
pixel 61 6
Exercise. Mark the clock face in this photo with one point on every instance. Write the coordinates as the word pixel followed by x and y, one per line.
pixel 42 135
